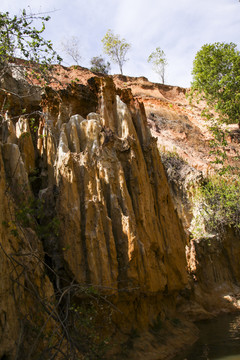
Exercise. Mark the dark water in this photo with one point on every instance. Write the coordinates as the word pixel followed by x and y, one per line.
pixel 219 340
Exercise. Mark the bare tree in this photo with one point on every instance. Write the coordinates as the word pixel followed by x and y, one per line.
pixel 70 46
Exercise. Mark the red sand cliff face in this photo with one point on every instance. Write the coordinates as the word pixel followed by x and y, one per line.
pixel 178 126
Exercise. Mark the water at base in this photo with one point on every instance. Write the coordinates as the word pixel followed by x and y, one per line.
pixel 219 340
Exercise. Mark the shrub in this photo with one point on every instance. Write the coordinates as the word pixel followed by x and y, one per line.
pixel 98 64
pixel 216 206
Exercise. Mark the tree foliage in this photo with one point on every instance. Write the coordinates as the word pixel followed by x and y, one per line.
pixel 20 38
pixel 216 75
pixel 216 206
pixel 98 64
pixel 159 62
pixel 115 48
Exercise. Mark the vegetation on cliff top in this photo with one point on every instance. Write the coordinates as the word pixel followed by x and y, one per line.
pixel 20 38
pixel 115 48
pixel 159 62
pixel 98 64
pixel 216 77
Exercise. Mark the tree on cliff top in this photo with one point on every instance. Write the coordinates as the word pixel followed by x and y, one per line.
pixel 115 48
pixel 20 38
pixel 216 77
pixel 71 48
pixel 98 64
pixel 159 62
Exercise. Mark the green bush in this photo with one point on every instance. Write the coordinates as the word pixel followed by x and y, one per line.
pixel 216 77
pixel 216 206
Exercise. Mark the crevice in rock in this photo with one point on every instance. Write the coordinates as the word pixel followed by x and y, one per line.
pixel 83 221
pixel 121 243
pixel 5 357
pixel 107 197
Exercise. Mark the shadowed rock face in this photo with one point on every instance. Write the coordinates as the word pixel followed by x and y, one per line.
pixel 102 176
pixel 21 260
pixel 116 215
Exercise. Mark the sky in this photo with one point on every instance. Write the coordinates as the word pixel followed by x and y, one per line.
pixel 179 27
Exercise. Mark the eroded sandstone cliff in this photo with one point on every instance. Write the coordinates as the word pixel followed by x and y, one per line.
pixel 184 143
pixel 93 235
pixel 86 155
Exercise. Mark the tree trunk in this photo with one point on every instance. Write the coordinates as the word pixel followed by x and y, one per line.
pixel 120 65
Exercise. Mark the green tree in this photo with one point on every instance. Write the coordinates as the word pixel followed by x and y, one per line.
pixel 159 62
pixel 19 38
pixel 98 64
pixel 115 48
pixel 216 77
